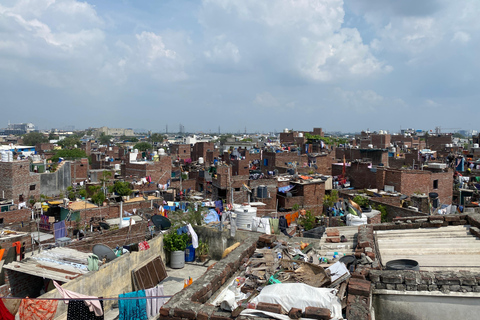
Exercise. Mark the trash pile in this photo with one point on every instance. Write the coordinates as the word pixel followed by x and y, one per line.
pixel 296 266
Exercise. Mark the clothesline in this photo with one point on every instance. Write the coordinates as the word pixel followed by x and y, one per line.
pixel 92 298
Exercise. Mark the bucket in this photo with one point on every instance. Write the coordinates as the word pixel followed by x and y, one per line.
pixel 190 254
pixel 177 259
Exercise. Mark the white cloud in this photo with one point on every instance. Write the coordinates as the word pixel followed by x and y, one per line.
pixel 461 37
pixel 365 101
pixel 265 99
pixel 303 38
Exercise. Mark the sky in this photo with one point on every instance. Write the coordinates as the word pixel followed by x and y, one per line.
pixel 251 65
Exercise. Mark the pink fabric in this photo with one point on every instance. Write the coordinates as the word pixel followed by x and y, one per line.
pixel 93 305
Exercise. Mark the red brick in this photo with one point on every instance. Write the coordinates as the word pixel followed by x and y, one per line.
pixel 202 315
pixel 333 240
pixel 270 307
pixel 189 314
pixel 332 232
pixel 359 287
pixel 164 311
pixel 317 313
pixel 371 255
pixel 295 313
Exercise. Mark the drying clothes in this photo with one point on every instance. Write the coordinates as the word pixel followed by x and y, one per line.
pixel 154 305
pixel 17 245
pixel 283 225
pixel 5 313
pixel 194 236
pixel 60 230
pixel 37 309
pixel 78 310
pixel 92 262
pixel 93 305
pixel 274 225
pixel 12 305
pixel 143 246
pixel 134 309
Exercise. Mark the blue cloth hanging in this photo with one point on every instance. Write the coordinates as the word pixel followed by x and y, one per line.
pixel 134 309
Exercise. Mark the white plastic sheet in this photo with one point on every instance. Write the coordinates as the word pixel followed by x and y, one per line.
pixel 300 295
pixel 353 220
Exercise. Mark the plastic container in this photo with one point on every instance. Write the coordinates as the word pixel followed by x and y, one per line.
pixel 189 254
pixel 177 259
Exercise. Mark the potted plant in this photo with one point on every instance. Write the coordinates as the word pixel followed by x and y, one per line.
pixel 176 245
pixel 202 251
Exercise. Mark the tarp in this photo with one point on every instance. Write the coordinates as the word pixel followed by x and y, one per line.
pixel 211 216
pixel 285 189
pixel 353 220
pixel 300 295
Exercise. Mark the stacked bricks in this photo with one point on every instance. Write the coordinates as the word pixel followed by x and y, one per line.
pixel 333 235
pixel 365 242
pixel 408 280
pixel 433 221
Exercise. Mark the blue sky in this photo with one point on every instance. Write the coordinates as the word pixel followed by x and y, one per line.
pixel 264 65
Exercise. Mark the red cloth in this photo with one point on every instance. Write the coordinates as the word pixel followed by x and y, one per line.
pixel 18 245
pixel 4 313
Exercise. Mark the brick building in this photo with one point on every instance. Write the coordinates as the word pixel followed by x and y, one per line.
pixel 17 182
pixel 375 156
pixel 200 150
pixel 438 142
pixel 308 194
pixel 79 170
pixel 180 151
pixel 160 171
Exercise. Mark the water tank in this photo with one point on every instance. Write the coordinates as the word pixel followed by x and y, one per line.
pixel 370 146
pixel 10 156
pixel 262 192
pixel 161 151
pixel 110 148
pixel 4 156
pixel 300 134
pixel 155 153
pixel 200 160
pixel 117 167
pixel 245 215
pixel 135 151
pixel 475 145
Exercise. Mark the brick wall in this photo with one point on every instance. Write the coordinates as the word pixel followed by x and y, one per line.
pixel 180 151
pixel 79 170
pixel 200 150
pixel 16 180
pixel 16 216
pixel 113 238
pixel 160 171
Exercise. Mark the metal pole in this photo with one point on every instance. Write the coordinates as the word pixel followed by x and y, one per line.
pixel 121 212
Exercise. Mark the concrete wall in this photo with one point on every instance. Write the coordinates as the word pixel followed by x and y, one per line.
pixel 56 182
pixel 219 241
pixel 112 279
pixel 426 306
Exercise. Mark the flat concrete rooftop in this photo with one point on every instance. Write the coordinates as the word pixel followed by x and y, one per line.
pixel 449 248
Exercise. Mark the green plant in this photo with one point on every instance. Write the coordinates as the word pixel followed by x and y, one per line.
pixel 295 207
pixel 122 188
pixel 361 201
pixel 202 249
pixel 383 211
pixel 175 242
pixel 330 199
pixel 307 221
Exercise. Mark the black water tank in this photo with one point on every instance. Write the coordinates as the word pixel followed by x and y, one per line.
pixel 402 264
pixel 433 195
pixel 262 192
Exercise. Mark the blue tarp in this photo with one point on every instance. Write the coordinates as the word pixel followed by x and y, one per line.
pixel 285 189
pixel 212 216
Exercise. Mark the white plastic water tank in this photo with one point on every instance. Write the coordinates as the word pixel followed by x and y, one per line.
pixel 110 148
pixel 300 134
pixel 475 145
pixel 161 151
pixel 370 146
pixel 245 215
pixel 135 151
pixel 200 160
pixel 285 130
pixel 117 167
pixel 10 156
pixel 155 153
pixel 3 156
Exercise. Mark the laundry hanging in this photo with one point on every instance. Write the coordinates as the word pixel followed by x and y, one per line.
pixel 78 310
pixel 93 305
pixel 134 309
pixel 37 309
pixel 154 305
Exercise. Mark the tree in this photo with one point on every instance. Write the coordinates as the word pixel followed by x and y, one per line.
pixel 156 137
pixel 104 139
pixel 52 136
pixel 122 188
pixel 69 142
pixel 69 154
pixel 34 138
pixel 143 146
pixel 98 196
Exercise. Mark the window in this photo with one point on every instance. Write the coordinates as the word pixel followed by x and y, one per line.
pixel 32 187
pixel 184 151
pixel 237 189
pixel 435 184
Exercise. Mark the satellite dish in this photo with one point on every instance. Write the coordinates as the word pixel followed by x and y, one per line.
pixel 104 225
pixel 102 251
pixel 161 222
pixel 403 197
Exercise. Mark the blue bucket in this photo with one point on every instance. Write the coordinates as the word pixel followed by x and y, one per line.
pixel 189 254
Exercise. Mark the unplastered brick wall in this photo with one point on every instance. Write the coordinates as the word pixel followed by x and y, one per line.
pixel 190 303
pixel 16 216
pixel 434 221
pixel 408 280
pixel 113 238
pixel 23 284
pixel 113 211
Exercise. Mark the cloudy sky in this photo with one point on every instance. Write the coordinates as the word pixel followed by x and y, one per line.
pixel 264 65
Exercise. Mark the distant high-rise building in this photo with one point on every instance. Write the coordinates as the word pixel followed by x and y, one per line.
pixel 18 128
